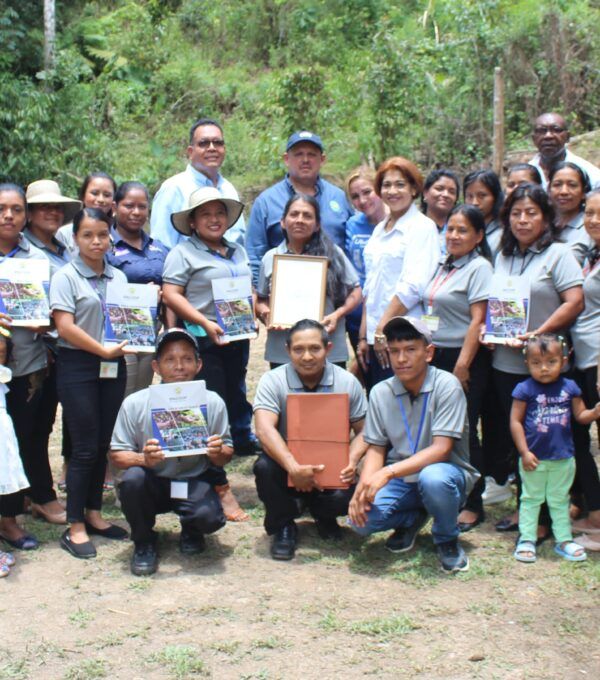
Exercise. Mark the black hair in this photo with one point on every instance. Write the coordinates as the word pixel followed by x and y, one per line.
pixel 534 173
pixel 535 193
pixel 403 332
pixel 490 180
pixel 95 175
pixel 307 325
pixel 203 121
pixel 544 341
pixel 11 186
pixel 476 220
pixel 320 245
pixel 432 178
pixel 93 214
pixel 126 187
pixel 583 177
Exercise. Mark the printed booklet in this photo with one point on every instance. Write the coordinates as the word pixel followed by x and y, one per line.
pixel 234 308
pixel 131 315
pixel 24 285
pixel 508 309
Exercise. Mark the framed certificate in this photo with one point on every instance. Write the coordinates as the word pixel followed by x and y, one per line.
pixel 298 288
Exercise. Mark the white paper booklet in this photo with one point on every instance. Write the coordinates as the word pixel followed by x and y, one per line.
pixel 234 308
pixel 179 417
pixel 131 315
pixel 508 308
pixel 24 287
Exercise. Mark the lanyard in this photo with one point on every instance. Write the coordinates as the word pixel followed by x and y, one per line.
pixel 94 285
pixel 436 286
pixel 526 262
pixel 411 442
pixel 228 262
pixel 12 252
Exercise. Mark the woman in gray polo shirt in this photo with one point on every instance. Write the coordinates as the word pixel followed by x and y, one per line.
pixel 586 343
pixel 455 303
pixel 303 236
pixel 529 250
pixel 90 377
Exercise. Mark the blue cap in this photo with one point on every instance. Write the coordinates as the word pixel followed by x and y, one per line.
pixel 303 136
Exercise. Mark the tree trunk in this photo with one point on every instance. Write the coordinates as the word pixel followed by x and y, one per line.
pixel 49 34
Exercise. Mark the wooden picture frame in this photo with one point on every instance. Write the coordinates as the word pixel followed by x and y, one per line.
pixel 298 289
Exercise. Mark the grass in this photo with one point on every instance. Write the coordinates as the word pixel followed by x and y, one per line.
pixel 87 670
pixel 380 627
pixel 180 661
pixel 81 618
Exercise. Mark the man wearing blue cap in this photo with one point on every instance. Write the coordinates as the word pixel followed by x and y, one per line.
pixel 303 158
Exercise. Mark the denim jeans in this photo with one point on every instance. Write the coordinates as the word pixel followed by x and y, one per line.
pixel 440 489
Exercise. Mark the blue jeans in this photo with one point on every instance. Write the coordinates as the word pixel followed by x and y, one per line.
pixel 440 489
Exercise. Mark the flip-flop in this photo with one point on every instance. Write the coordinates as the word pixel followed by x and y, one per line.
pixel 584 530
pixel 523 547
pixel 567 550
pixel 587 542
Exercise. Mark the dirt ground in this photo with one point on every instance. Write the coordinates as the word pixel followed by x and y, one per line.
pixel 347 610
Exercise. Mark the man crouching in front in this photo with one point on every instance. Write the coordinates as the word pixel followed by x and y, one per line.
pixel 417 463
pixel 146 479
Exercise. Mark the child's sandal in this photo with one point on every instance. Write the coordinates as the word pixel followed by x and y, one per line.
pixel 525 551
pixel 571 551
pixel 6 559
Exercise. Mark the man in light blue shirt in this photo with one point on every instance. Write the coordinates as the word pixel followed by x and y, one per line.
pixel 303 158
pixel 206 153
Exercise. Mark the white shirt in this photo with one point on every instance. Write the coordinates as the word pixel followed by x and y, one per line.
pixel 399 262
pixel 592 171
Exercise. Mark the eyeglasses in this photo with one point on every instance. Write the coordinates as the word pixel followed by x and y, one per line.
pixel 545 129
pixel 205 143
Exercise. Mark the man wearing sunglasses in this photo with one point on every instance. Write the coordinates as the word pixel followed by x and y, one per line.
pixel 206 153
pixel 550 136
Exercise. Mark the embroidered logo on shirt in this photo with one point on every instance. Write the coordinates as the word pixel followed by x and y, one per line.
pixel 335 206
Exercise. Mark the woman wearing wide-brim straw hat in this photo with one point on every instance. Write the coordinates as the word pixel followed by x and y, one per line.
pixel 190 269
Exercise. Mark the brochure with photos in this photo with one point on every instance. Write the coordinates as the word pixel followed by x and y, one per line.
pixel 179 417
pixel 24 285
pixel 131 315
pixel 508 307
pixel 234 308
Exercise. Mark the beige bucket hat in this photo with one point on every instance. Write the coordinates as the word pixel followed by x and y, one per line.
pixel 181 219
pixel 48 191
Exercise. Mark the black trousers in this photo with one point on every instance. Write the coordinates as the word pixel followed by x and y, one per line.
pixel 284 504
pixel 90 405
pixel 587 482
pixel 143 495
pixel 480 372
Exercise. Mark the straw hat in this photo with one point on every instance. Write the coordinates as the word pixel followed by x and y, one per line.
pixel 46 191
pixel 181 219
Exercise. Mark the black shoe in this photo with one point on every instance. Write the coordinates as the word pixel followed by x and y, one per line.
pixel 191 543
pixel 506 524
pixel 467 526
pixel 283 546
pixel 403 539
pixel 84 551
pixel 452 557
pixel 328 528
pixel 144 560
pixel 251 448
pixel 113 531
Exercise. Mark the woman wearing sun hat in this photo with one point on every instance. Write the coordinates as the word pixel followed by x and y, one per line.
pixel 190 269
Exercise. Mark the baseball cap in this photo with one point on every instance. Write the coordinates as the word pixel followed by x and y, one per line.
pixel 172 335
pixel 303 136
pixel 398 322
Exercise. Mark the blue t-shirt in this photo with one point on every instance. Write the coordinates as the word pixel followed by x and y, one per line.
pixel 358 232
pixel 139 266
pixel 548 417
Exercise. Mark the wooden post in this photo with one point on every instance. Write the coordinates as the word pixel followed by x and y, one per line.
pixel 49 34
pixel 498 155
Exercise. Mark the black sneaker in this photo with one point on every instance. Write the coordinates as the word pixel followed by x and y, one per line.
pixel 403 539
pixel 191 543
pixel 145 559
pixel 452 557
pixel 328 528
pixel 283 546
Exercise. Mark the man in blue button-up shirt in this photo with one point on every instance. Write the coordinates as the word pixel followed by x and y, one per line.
pixel 206 153
pixel 303 158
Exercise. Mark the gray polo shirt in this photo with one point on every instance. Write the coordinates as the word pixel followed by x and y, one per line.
pixel 585 332
pixel 58 258
pixel 29 351
pixel 445 416
pixel 193 266
pixel 575 235
pixel 451 292
pixel 77 289
pixel 275 351
pixel 274 387
pixel 493 234
pixel 133 428
pixel 550 271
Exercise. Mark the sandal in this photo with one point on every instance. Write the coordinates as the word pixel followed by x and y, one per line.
pixel 571 551
pixel 6 559
pixel 525 551
pixel 231 508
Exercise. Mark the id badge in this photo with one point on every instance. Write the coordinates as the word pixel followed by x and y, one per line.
pixel 179 490
pixel 432 322
pixel 109 369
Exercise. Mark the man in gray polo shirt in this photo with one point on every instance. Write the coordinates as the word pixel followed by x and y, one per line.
pixel 309 371
pixel 145 479
pixel 417 463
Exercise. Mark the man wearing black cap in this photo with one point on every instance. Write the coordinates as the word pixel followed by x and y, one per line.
pixel 417 463
pixel 303 158
pixel 144 477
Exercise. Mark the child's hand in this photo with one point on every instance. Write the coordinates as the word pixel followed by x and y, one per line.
pixel 530 461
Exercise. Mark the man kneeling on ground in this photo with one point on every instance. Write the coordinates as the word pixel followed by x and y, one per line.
pixel 417 463
pixel 144 477
pixel 309 371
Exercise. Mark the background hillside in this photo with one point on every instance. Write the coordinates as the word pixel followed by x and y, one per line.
pixel 374 77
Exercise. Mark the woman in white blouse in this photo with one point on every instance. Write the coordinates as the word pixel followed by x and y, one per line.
pixel 400 259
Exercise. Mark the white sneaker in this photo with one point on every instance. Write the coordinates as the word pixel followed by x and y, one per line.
pixel 495 493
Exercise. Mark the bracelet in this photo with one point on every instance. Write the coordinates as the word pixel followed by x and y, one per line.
pixel 362 340
pixel 379 337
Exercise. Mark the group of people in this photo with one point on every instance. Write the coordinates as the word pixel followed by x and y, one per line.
pixel 436 414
